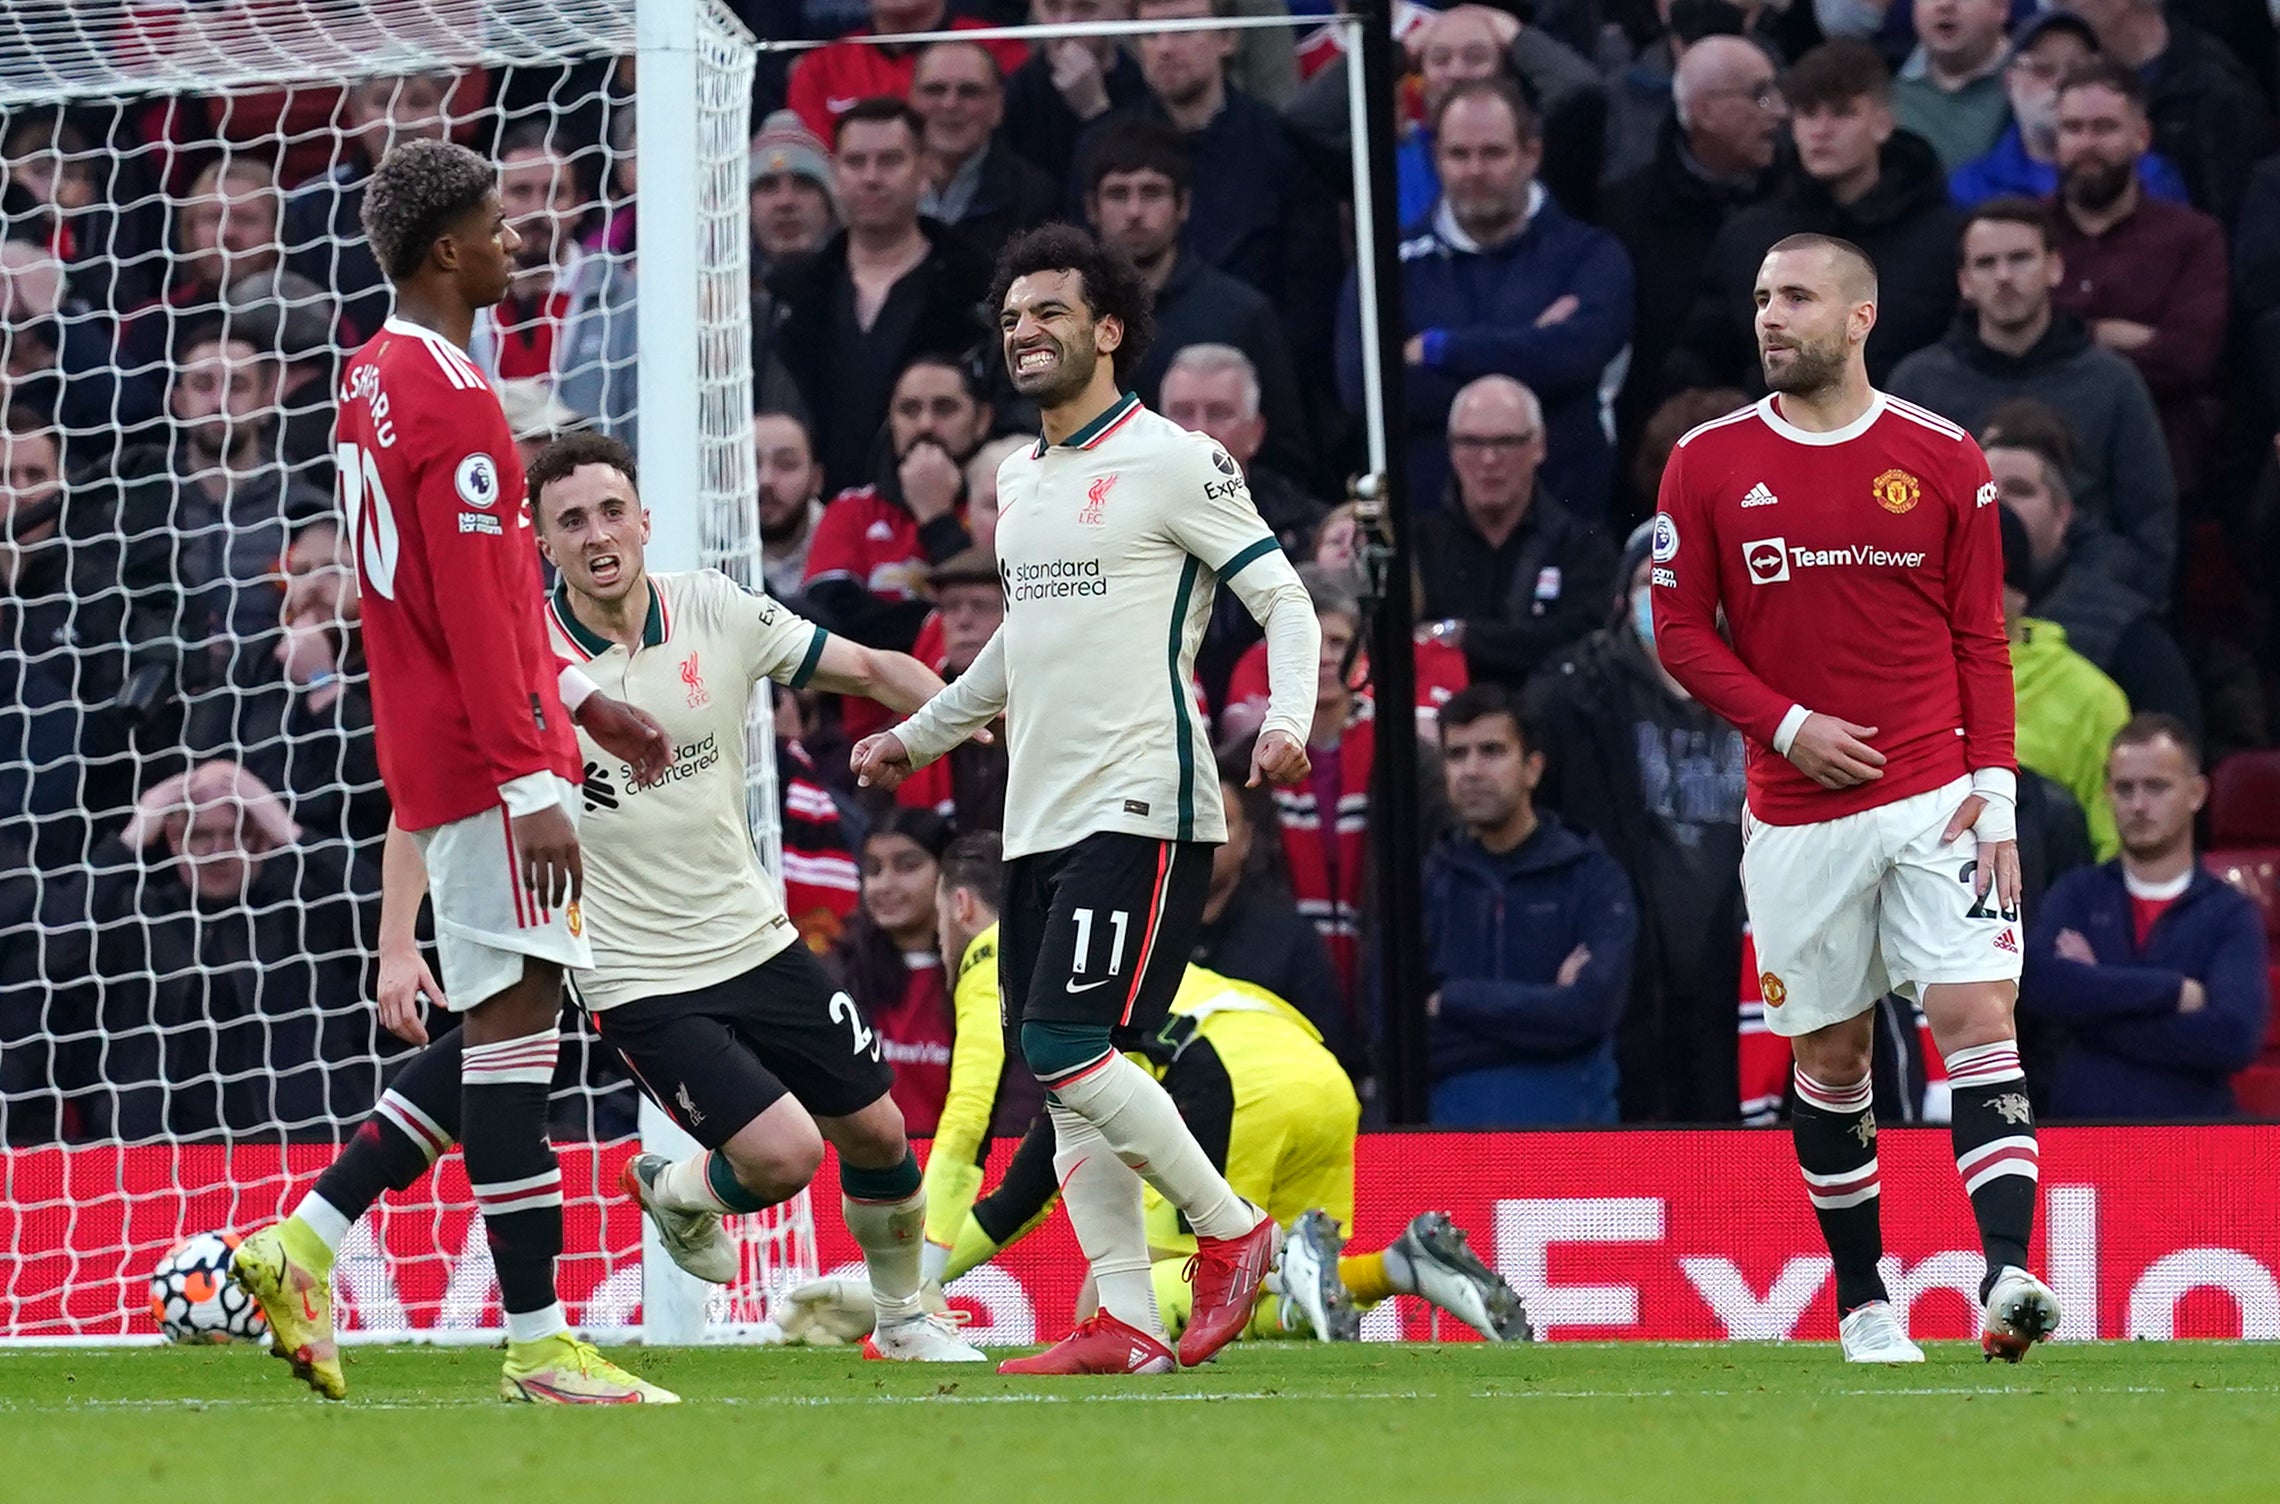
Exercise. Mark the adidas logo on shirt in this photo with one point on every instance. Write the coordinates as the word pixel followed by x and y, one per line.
pixel 1759 496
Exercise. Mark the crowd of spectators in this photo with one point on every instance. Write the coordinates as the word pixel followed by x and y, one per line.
pixel 2075 213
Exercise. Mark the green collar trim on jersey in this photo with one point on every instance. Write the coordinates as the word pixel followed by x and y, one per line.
pixel 1092 433
pixel 592 644
pixel 1183 733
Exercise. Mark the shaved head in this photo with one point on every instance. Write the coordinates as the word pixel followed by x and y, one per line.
pixel 1852 273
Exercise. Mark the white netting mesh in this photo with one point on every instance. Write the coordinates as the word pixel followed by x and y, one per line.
pixel 190 811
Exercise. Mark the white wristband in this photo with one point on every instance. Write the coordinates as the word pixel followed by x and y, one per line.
pixel 1999 816
pixel 574 687
pixel 530 793
pixel 1785 734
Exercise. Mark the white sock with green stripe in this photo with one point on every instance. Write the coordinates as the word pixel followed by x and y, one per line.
pixel 1135 1115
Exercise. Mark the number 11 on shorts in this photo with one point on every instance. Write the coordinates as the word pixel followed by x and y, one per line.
pixel 1117 919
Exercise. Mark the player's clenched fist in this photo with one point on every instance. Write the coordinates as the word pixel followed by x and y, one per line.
pixel 628 733
pixel 1278 757
pixel 1835 754
pixel 880 760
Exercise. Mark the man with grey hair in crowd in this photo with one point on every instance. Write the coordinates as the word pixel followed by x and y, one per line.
pixel 1713 156
pixel 1510 573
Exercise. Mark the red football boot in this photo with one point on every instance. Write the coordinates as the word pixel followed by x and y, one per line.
pixel 1226 1273
pixel 1100 1344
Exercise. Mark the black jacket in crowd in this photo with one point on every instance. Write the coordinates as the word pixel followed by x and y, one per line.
pixel 1550 583
pixel 1660 780
pixel 1906 225
pixel 1667 214
pixel 846 374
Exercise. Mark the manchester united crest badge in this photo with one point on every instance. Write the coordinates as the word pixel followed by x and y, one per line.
pixel 1897 492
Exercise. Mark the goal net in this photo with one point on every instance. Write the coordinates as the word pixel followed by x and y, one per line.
pixel 190 809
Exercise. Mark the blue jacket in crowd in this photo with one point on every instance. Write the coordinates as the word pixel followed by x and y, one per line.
pixel 1477 310
pixel 1510 1046
pixel 2129 1052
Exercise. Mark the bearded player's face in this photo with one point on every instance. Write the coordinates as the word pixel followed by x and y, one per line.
pixel 1051 338
pixel 1804 321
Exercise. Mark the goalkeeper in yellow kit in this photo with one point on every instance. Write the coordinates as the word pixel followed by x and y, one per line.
pixel 1269 1104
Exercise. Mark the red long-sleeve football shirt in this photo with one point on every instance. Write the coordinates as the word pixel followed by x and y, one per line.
pixel 463 683
pixel 1860 573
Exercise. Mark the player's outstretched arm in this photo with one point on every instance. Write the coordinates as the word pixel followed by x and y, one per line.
pixel 956 712
pixel 404 974
pixel 896 680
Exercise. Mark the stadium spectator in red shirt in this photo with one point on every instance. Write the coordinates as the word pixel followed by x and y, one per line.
pixel 1510 574
pixel 2155 970
pixel 2148 277
pixel 1850 541
pixel 889 287
pixel 889 962
pixel 868 561
pixel 966 786
pixel 829 81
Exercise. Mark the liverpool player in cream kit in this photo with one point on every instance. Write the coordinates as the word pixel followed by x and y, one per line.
pixel 1851 541
pixel 1114 530
pixel 696 976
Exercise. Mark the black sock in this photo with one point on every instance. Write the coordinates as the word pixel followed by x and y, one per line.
pixel 512 1170
pixel 417 1118
pixel 1835 1132
pixel 1993 1129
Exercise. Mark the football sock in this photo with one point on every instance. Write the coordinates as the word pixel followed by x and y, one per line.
pixel 513 1173
pixel 1136 1117
pixel 416 1119
pixel 703 1182
pixel 1369 1277
pixel 1102 1194
pixel 886 1213
pixel 1835 1133
pixel 1993 1130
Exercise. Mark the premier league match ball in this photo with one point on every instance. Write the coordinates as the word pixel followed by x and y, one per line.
pixel 193 1299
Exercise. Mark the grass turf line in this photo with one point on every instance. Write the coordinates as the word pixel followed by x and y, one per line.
pixel 1558 1422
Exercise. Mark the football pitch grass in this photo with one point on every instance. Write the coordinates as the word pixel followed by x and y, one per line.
pixel 2184 1423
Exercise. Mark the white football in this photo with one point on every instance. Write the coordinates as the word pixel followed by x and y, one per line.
pixel 193 1299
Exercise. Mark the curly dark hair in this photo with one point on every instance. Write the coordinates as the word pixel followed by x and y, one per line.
pixel 1111 284
pixel 560 458
pixel 416 194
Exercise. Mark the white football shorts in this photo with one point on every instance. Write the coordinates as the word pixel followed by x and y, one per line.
pixel 486 922
pixel 1849 909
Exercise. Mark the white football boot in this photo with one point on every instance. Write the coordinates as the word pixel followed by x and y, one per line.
pixel 2021 1311
pixel 1874 1334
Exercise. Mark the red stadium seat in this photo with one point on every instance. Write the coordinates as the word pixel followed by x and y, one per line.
pixel 2244 802
pixel 2256 872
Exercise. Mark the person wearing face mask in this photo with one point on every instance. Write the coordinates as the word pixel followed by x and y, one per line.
pixel 1658 778
pixel 2023 162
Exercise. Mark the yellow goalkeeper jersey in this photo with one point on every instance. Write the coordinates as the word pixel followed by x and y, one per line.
pixel 977 1062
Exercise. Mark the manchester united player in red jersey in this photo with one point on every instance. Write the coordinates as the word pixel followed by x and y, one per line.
pixel 474 746
pixel 1851 541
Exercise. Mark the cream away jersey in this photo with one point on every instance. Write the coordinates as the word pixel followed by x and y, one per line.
pixel 1110 546
pixel 676 898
